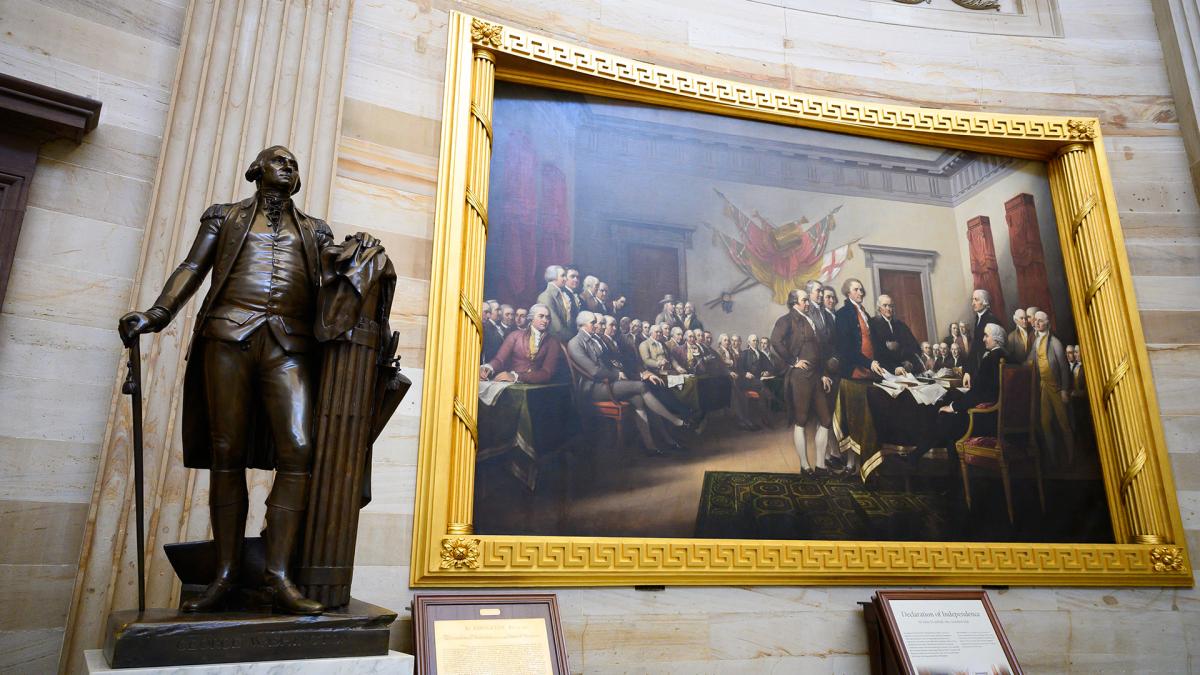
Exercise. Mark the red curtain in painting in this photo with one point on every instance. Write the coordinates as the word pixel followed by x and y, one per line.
pixel 1027 253
pixel 554 219
pixel 512 230
pixel 983 262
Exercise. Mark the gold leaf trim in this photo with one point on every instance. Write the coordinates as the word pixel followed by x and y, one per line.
pixel 1118 374
pixel 459 553
pixel 471 311
pixel 1077 221
pixel 486 34
pixel 774 101
pixel 1167 559
pixel 1083 130
pixel 468 420
pixel 1096 285
pixel 1135 467
pixel 487 124
pixel 785 560
pixel 478 208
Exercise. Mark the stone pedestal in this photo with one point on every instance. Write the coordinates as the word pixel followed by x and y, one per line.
pixel 392 663
pixel 168 637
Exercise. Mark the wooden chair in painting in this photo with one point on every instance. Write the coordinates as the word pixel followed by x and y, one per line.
pixel 616 411
pixel 1015 439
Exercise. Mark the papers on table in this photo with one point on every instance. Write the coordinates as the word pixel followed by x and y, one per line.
pixel 490 390
pixel 926 394
pixel 676 380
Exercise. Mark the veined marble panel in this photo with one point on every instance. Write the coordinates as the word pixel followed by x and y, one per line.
pixel 392 128
pixel 33 25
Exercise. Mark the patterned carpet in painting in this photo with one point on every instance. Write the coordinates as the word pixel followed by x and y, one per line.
pixel 757 505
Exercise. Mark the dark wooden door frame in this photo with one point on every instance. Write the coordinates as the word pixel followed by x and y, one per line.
pixel 906 260
pixel 30 115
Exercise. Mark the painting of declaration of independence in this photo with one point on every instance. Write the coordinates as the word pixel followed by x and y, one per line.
pixel 705 327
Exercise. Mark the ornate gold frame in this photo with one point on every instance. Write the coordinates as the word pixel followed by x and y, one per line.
pixel 1141 493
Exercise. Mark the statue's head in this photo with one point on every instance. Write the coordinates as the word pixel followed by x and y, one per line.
pixel 275 167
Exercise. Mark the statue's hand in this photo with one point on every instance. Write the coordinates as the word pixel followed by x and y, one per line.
pixel 367 240
pixel 134 324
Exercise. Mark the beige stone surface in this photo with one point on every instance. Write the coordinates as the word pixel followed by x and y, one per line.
pixel 96 197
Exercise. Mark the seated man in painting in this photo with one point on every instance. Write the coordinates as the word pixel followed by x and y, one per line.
pixel 530 355
pixel 985 389
pixel 597 380
pixel 654 353
pixel 746 397
pixel 955 360
pixel 688 354
pixel 894 344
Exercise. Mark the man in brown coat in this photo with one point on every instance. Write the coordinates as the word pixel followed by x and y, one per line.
pixel 795 340
pixel 250 366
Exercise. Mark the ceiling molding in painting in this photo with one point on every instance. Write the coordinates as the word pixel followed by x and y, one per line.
pixel 813 163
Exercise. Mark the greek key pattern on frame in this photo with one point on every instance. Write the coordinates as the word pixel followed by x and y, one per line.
pixel 824 557
pixel 821 108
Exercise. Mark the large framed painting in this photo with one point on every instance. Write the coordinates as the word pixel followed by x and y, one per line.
pixel 685 330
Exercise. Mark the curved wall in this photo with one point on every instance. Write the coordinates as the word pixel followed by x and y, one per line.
pixel 1098 57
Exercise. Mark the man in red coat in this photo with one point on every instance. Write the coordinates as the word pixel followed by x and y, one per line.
pixel 530 355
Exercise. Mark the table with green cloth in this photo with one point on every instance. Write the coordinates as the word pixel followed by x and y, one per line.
pixel 525 424
pixel 704 393
pixel 866 417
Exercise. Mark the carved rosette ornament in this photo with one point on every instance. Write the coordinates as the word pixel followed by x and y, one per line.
pixel 459 554
pixel 978 4
pixel 1167 559
pixel 1081 130
pixel 968 4
pixel 486 34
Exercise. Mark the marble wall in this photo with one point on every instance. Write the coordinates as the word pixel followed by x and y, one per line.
pixel 58 354
pixel 76 258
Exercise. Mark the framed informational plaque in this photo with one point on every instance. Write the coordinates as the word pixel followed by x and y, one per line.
pixel 926 632
pixel 471 634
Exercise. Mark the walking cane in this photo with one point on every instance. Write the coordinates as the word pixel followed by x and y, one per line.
pixel 133 388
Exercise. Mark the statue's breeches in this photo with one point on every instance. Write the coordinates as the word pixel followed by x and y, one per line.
pixel 257 377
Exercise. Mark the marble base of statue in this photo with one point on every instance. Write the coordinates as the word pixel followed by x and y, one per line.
pixel 246 629
pixel 169 637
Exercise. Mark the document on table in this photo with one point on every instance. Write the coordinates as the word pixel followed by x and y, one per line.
pixel 490 390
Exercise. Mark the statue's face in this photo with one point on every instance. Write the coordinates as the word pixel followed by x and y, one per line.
pixel 280 171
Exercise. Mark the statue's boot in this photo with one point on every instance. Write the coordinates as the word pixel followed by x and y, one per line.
pixel 285 515
pixel 227 504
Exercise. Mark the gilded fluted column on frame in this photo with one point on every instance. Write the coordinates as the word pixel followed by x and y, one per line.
pixel 465 437
pixel 1139 513
pixel 251 73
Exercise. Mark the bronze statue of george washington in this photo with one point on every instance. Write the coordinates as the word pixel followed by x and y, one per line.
pixel 251 374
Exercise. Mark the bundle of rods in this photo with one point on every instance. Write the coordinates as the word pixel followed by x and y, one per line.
pixel 345 408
